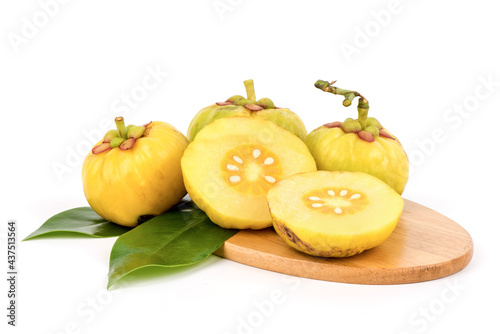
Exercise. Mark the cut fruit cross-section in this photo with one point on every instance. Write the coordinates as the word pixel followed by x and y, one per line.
pixel 233 162
pixel 334 214
pixel 251 168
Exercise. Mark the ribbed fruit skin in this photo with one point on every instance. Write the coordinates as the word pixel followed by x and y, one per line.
pixel 335 150
pixel 283 117
pixel 122 186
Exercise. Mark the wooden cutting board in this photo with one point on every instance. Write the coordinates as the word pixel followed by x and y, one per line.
pixel 425 245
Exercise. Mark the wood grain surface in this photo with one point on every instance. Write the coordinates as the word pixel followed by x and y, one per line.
pixel 425 245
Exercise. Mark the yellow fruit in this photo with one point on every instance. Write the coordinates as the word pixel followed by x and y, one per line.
pixel 139 177
pixel 336 150
pixel 334 214
pixel 250 107
pixel 360 145
pixel 233 162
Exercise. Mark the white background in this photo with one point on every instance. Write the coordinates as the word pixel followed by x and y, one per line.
pixel 68 66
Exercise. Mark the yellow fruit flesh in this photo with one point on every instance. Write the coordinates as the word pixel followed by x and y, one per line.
pixel 251 169
pixel 233 162
pixel 334 214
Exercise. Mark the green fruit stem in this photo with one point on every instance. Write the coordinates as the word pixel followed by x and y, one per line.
pixel 120 126
pixel 349 96
pixel 362 111
pixel 250 90
pixel 250 102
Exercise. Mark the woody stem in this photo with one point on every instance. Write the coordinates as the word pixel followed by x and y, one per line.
pixel 349 96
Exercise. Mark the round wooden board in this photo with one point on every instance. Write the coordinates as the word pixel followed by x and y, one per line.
pixel 425 245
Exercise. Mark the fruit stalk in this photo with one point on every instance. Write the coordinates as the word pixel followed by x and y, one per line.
pixel 120 126
pixel 349 96
pixel 362 111
pixel 250 90
pixel 123 137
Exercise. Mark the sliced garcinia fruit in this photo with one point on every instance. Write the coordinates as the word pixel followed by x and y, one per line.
pixel 233 162
pixel 334 213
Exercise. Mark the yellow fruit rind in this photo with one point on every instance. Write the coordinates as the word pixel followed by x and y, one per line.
pixel 295 242
pixel 126 187
pixel 384 158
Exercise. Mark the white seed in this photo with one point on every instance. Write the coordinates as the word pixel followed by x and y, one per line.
pixel 343 193
pixel 338 211
pixel 314 198
pixel 317 205
pixel 256 153
pixel 268 161
pixel 237 159
pixel 270 179
pixel 234 178
pixel 356 196
pixel 232 167
pixel 331 192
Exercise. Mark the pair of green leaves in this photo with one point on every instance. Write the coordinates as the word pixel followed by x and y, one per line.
pixel 181 236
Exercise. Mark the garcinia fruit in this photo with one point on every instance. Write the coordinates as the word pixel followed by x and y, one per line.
pixel 233 162
pixel 334 214
pixel 361 145
pixel 238 105
pixel 134 172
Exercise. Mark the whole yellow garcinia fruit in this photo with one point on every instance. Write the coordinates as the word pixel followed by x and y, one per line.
pixel 134 172
pixel 237 105
pixel 359 145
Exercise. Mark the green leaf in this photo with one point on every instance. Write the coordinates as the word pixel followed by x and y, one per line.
pixel 181 236
pixel 82 220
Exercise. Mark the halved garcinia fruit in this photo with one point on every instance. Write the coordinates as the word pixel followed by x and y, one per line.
pixel 334 214
pixel 233 162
